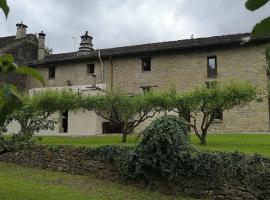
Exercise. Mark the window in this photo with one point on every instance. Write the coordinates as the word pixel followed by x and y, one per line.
pixel 212 66
pixel 146 64
pixel 218 116
pixel 90 68
pixel 51 72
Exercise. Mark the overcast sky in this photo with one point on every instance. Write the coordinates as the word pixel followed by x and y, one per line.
pixel 125 22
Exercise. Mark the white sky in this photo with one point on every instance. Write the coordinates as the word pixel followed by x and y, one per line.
pixel 126 22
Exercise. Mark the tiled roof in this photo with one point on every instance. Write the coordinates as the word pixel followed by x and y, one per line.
pixel 144 49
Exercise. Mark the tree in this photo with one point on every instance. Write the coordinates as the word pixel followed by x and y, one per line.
pixel 122 109
pixel 263 27
pixel 31 119
pixel 9 97
pixel 205 101
pixel 51 101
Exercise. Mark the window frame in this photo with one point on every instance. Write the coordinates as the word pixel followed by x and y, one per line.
pixel 88 68
pixel 50 72
pixel 219 117
pixel 145 60
pixel 211 73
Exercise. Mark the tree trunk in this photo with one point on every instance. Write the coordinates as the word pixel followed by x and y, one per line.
pixel 124 137
pixel 203 138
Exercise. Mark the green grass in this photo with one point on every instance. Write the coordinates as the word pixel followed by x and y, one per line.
pixel 247 143
pixel 23 183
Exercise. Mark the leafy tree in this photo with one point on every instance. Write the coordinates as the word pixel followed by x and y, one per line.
pixel 9 97
pixel 118 108
pixel 262 27
pixel 51 101
pixel 205 101
pixel 31 119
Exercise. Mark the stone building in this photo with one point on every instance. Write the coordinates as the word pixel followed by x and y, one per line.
pixel 23 47
pixel 183 63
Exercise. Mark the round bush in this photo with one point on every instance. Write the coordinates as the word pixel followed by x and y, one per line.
pixel 165 142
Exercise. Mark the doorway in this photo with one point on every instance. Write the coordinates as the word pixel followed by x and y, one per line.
pixel 65 121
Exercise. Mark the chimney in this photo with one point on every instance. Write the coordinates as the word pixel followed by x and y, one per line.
pixel 86 45
pixel 21 30
pixel 41 46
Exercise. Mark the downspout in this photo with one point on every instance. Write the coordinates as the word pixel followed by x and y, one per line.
pixel 111 72
pixel 102 67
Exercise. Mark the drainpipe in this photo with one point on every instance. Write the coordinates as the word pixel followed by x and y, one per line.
pixel 102 67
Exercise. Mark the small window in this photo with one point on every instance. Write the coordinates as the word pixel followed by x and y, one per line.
pixel 218 115
pixel 146 64
pixel 52 72
pixel 212 66
pixel 90 68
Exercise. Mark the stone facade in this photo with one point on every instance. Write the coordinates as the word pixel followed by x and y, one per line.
pixel 184 70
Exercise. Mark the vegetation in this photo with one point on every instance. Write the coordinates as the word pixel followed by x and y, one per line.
pixel 122 109
pixel 130 111
pixel 10 99
pixel 4 7
pixel 25 183
pixel 165 155
pixel 31 119
pixel 206 101
pixel 262 27
pixel 164 143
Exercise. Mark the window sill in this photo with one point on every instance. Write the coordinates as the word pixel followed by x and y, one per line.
pixel 146 71
pixel 217 121
pixel 211 77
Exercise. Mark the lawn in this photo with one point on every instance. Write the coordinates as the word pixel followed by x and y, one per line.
pixel 247 143
pixel 23 183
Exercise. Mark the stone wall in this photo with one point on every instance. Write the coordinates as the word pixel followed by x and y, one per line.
pixel 23 50
pixel 65 159
pixel 86 161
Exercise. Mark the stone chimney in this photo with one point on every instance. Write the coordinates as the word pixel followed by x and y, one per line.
pixel 21 30
pixel 41 46
pixel 86 45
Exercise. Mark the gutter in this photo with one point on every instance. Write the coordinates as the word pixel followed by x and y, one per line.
pixel 102 67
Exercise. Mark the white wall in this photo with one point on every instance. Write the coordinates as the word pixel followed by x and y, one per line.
pixel 79 122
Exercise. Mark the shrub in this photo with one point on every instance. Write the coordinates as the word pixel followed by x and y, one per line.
pixel 165 154
pixel 165 142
